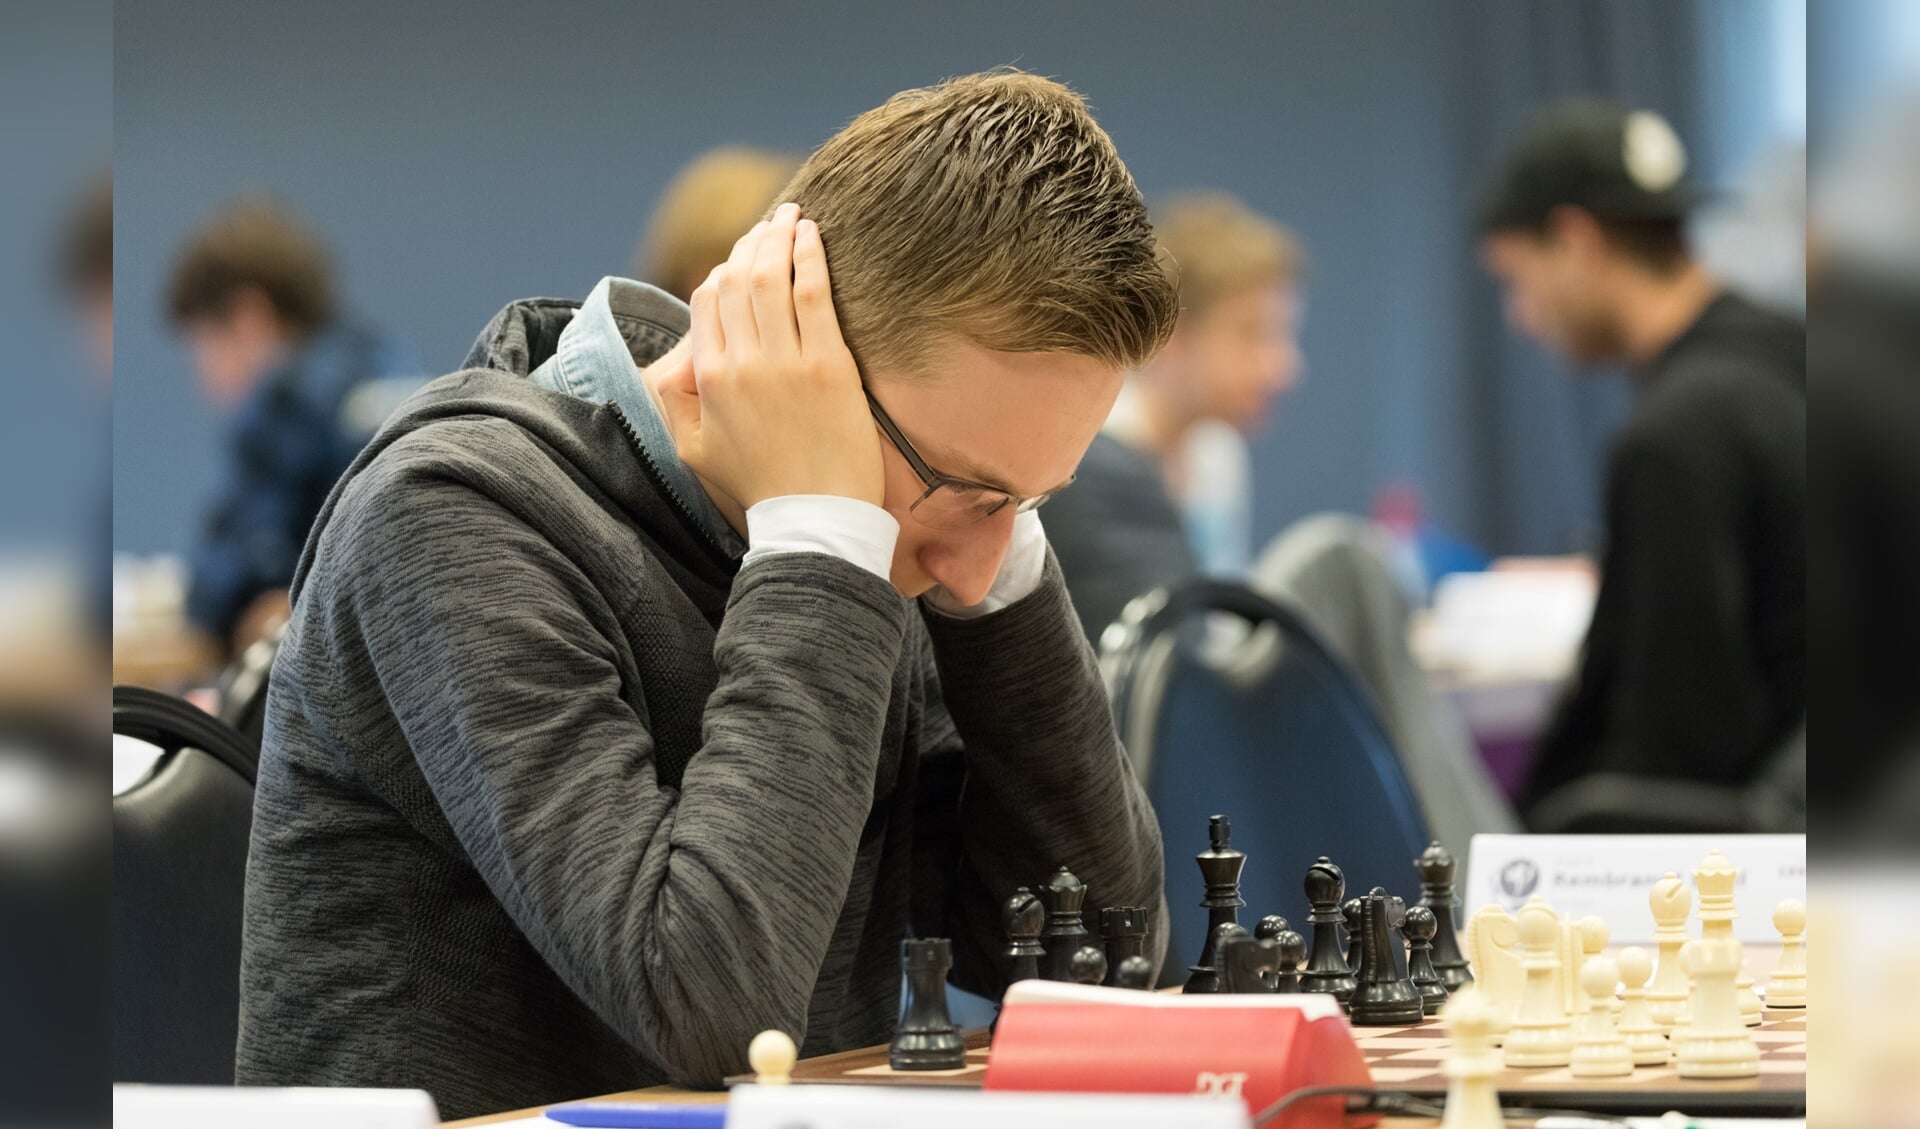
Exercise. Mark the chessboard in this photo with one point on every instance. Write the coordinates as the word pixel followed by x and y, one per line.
pixel 1411 1060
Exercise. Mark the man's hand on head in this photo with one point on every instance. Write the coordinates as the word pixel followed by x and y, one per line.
pixel 775 405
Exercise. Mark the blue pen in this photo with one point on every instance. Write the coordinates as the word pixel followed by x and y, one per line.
pixel 639 1115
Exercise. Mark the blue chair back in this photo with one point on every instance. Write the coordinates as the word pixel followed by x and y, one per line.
pixel 1289 748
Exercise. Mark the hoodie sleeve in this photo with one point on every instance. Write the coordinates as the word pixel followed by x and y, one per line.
pixel 498 658
pixel 1021 729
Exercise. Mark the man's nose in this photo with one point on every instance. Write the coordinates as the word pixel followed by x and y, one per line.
pixel 965 561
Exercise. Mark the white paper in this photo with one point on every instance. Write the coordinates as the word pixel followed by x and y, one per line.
pixel 1610 876
pixel 878 1107
pixel 247 1107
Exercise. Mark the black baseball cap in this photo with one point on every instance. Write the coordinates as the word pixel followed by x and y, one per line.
pixel 1594 154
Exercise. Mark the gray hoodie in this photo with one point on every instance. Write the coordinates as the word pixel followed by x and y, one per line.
pixel 557 799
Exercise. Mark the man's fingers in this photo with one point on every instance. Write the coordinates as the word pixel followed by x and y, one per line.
pixel 771 285
pixel 709 339
pixel 813 291
pixel 731 287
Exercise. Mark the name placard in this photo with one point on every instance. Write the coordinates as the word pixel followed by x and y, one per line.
pixel 1611 875
pixel 879 1107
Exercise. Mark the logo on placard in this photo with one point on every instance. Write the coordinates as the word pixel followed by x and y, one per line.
pixel 1223 1085
pixel 1519 878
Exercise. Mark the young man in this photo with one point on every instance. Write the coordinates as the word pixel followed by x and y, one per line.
pixel 1695 663
pixel 650 679
pixel 1164 493
pixel 303 388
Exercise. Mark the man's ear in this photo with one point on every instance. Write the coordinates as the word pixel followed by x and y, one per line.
pixel 1576 230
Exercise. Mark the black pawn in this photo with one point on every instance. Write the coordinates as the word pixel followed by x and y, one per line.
pixel 1327 968
pixel 1381 998
pixel 926 1038
pixel 1024 917
pixel 1293 953
pixel 1088 966
pixel 1419 930
pixel 1220 867
pixel 1135 973
pixel 1350 919
pixel 1436 868
pixel 1065 932
pixel 1125 930
pixel 1245 964
pixel 1270 926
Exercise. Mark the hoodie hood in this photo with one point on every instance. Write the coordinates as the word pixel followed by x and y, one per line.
pixel 593 444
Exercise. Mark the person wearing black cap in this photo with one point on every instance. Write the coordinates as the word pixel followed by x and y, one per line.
pixel 1695 662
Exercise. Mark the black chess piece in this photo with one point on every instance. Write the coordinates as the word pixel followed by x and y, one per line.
pixel 1327 969
pixel 1350 919
pixel 926 1038
pixel 1207 978
pixel 1436 868
pixel 1270 926
pixel 1088 966
pixel 1245 963
pixel 1397 917
pixel 1024 916
pixel 1135 972
pixel 1381 998
pixel 1220 867
pixel 1292 948
pixel 1125 930
pixel 1065 932
pixel 1419 930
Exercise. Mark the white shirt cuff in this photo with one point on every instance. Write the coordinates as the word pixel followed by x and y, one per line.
pixel 1020 572
pixel 858 532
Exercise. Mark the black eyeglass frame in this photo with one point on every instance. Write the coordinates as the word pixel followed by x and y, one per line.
pixel 934 480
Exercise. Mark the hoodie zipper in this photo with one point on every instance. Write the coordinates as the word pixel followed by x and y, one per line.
pixel 660 479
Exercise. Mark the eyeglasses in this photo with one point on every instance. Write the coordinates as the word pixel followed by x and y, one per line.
pixel 949 502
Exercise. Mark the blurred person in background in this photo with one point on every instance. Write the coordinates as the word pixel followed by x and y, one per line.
pixel 303 386
pixel 707 206
pixel 1694 665
pixel 1164 493
pixel 1863 359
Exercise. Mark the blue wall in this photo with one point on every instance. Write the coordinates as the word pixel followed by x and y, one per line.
pixel 463 154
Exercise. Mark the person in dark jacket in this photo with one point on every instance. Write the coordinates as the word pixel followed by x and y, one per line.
pixel 1695 663
pixel 302 386
pixel 652 677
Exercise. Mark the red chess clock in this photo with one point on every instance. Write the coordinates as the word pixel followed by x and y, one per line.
pixel 1076 1037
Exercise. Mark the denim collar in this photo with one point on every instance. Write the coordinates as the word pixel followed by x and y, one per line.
pixel 595 361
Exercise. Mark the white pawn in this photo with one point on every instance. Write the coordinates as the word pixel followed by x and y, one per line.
pixel 1542 1034
pixel 1788 988
pixel 1671 900
pixel 1716 1042
pixel 1593 935
pixel 1600 1051
pixel 1646 1039
pixel 1473 1067
pixel 772 1055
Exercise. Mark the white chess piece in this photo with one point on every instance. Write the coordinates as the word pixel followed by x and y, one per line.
pixel 1715 1044
pixel 1646 1038
pixel 1788 988
pixel 772 1055
pixel 1715 878
pixel 1593 935
pixel 1492 936
pixel 1671 900
pixel 1600 1051
pixel 1542 1034
pixel 1473 1066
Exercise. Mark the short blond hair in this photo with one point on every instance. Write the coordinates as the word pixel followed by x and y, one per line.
pixel 706 207
pixel 990 207
pixel 1219 247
